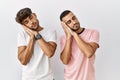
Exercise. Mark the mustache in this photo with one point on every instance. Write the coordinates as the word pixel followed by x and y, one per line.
pixel 76 24
pixel 75 29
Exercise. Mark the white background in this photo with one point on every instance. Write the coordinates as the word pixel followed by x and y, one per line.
pixel 103 15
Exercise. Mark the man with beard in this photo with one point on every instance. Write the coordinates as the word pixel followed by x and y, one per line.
pixel 78 48
pixel 36 45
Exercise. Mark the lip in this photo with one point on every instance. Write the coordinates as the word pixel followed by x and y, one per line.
pixel 75 25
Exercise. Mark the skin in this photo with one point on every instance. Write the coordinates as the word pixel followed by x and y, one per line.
pixel 31 26
pixel 71 27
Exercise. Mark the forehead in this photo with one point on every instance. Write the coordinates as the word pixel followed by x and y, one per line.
pixel 27 18
pixel 68 17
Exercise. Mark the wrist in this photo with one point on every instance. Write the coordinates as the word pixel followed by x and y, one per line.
pixel 36 33
pixel 32 37
pixel 74 33
pixel 68 37
pixel 38 36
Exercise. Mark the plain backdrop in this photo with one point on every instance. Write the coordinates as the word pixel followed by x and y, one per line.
pixel 103 15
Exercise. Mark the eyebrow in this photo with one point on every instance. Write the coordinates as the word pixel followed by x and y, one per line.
pixel 74 16
pixel 26 18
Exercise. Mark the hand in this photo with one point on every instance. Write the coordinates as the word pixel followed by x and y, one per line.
pixel 66 30
pixel 30 32
pixel 71 32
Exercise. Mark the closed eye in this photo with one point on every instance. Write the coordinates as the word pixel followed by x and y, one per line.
pixel 25 22
pixel 68 22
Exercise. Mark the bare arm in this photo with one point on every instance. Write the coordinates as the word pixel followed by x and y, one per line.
pixel 87 48
pixel 47 47
pixel 66 53
pixel 25 52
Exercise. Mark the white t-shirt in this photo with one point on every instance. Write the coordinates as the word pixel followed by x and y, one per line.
pixel 39 67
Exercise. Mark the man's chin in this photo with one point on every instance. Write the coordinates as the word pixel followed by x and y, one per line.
pixel 76 29
pixel 34 28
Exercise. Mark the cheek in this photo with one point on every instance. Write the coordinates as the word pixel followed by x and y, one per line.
pixel 78 22
pixel 70 25
pixel 29 25
pixel 35 20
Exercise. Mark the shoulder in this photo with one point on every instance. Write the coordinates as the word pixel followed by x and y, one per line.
pixel 93 31
pixel 47 31
pixel 22 34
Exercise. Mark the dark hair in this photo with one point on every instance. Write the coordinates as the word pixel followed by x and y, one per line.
pixel 23 14
pixel 64 13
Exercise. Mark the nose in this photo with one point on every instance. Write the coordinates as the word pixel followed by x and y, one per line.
pixel 73 22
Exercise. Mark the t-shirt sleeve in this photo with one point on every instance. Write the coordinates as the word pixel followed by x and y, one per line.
pixel 53 36
pixel 21 40
pixel 94 37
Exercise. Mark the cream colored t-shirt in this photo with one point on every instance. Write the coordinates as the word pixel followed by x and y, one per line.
pixel 39 67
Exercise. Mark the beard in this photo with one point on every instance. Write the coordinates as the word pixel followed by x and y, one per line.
pixel 77 27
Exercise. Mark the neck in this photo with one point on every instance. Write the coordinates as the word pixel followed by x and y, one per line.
pixel 39 29
pixel 80 30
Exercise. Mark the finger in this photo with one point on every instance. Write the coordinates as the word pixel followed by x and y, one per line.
pixel 69 29
pixel 64 25
pixel 24 27
pixel 27 28
pixel 27 31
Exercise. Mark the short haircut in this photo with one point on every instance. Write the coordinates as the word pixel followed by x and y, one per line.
pixel 64 13
pixel 23 14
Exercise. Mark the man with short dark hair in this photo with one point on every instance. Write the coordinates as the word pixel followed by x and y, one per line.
pixel 36 45
pixel 78 48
